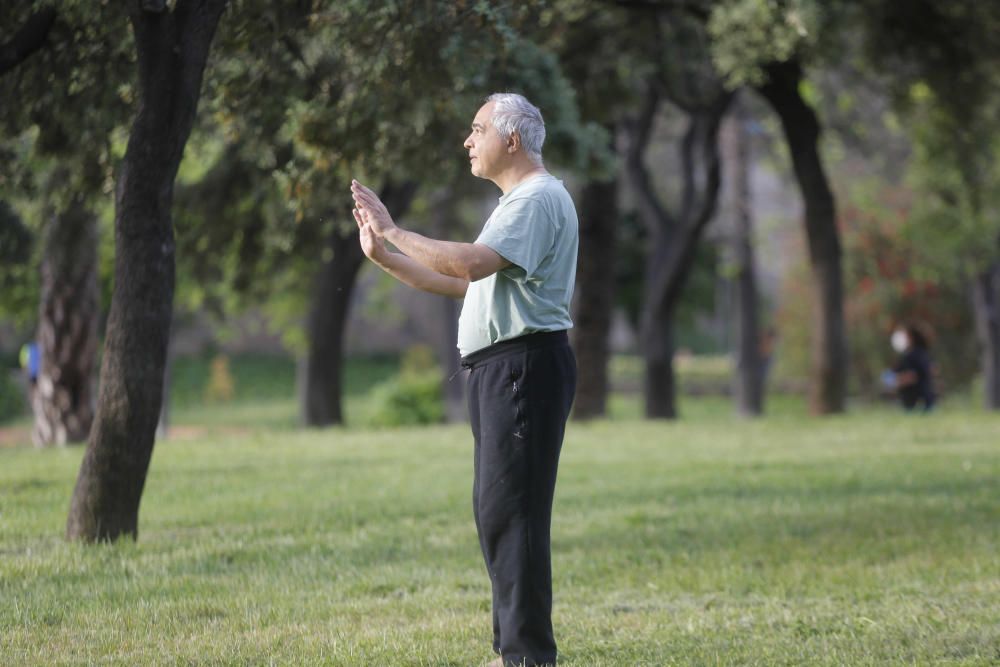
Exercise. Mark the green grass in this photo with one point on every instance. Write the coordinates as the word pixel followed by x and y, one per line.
pixel 870 539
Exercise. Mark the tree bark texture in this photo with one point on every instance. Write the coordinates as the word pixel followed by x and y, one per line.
pixel 331 302
pixel 172 51
pixel 828 381
pixel 594 299
pixel 672 238
pixel 749 377
pixel 986 306
pixel 69 309
pixel 322 385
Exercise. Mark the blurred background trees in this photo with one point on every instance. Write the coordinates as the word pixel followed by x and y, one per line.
pixel 765 190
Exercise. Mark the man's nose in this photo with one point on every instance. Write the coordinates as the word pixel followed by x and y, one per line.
pixel 468 142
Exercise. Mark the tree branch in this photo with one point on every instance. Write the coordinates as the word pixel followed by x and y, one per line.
pixel 637 131
pixel 693 8
pixel 702 180
pixel 30 38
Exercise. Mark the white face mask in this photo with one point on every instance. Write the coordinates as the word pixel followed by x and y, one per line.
pixel 899 341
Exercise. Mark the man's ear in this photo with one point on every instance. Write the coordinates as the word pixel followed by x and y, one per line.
pixel 513 142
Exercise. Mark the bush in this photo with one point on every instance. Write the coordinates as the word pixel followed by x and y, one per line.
pixel 885 284
pixel 414 396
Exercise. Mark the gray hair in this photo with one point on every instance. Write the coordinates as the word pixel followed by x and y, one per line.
pixel 514 113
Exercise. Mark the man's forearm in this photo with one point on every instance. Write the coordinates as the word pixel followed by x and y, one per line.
pixel 458 260
pixel 414 274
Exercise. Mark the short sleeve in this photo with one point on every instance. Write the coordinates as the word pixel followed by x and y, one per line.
pixel 522 233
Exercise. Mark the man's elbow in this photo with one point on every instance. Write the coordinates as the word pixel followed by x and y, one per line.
pixel 481 266
pixel 475 272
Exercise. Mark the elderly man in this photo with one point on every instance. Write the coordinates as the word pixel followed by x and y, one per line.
pixel 517 282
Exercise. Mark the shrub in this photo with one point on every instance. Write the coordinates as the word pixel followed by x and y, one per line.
pixel 413 396
pixel 885 284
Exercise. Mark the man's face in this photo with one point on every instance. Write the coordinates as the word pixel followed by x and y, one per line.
pixel 487 151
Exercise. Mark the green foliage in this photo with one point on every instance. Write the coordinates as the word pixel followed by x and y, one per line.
pixel 414 396
pixel 18 279
pixel 375 91
pixel 940 63
pixel 58 134
pixel 748 34
pixel 12 401
pixel 955 171
pixel 887 282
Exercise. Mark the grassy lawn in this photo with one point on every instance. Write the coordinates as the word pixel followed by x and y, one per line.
pixel 868 539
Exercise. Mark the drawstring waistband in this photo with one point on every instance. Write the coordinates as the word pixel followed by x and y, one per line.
pixel 519 345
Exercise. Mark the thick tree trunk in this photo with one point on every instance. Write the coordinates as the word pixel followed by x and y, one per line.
pixel 828 383
pixel 321 392
pixel 749 377
pixel 673 239
pixel 172 50
pixel 594 299
pixel 657 336
pixel 986 305
pixel 63 403
pixel 331 304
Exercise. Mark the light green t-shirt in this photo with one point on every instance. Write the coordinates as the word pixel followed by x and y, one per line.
pixel 534 228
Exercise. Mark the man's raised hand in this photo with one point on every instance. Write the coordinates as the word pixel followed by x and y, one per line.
pixel 371 243
pixel 376 215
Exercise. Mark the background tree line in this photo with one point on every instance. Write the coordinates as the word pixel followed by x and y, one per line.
pixel 282 106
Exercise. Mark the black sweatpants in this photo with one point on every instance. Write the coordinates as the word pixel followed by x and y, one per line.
pixel 520 393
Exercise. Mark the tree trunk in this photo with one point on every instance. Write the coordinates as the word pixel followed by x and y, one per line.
pixel 828 382
pixel 594 299
pixel 331 303
pixel 172 51
pixel 986 305
pixel 321 387
pixel 445 223
pixel 63 403
pixel 657 336
pixel 673 239
pixel 749 384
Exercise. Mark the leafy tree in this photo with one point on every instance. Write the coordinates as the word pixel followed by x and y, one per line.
pixel 381 93
pixel 171 44
pixel 942 60
pixel 683 74
pixel 66 66
pixel 765 44
pixel 597 51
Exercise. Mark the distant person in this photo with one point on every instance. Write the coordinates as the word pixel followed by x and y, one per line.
pixel 912 376
pixel 517 284
pixel 31 361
